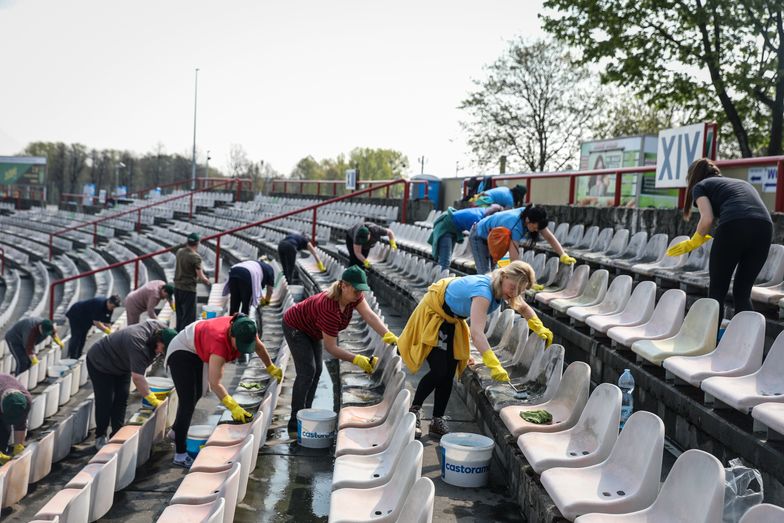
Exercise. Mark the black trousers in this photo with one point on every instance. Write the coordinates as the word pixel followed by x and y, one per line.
pixel 307 355
pixel 241 289
pixel 19 352
pixel 78 338
pixel 287 253
pixel 185 303
pixel 5 436
pixel 186 371
pixel 111 398
pixel 741 246
pixel 443 365
pixel 352 259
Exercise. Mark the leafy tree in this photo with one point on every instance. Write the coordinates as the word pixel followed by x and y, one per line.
pixel 533 107
pixel 626 114
pixel 307 169
pixel 715 59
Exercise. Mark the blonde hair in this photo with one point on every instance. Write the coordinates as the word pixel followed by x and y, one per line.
pixel 335 291
pixel 519 271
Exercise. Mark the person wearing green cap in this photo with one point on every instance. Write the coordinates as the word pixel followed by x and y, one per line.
pixel 115 360
pixel 15 402
pixel 212 342
pixel 86 314
pixel 23 337
pixel 146 298
pixel 361 238
pixel 321 317
pixel 187 273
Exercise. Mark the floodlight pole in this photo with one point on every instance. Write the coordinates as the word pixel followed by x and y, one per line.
pixel 193 159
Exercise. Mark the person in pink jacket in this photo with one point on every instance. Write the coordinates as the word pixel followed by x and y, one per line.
pixel 146 298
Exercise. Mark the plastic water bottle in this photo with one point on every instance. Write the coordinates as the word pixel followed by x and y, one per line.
pixel 626 384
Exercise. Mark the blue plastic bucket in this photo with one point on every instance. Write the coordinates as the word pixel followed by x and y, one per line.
pixel 197 438
pixel 158 385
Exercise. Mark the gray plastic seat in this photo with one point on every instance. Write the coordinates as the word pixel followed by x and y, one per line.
pixel 666 263
pixel 593 293
pixel 638 310
pixel 614 300
pixel 665 321
pixel 575 286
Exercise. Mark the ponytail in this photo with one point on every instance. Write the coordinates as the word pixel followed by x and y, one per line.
pixel 699 170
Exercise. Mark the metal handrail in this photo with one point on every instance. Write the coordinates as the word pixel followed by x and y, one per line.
pixel 217 236
pixel 137 210
pixel 2 261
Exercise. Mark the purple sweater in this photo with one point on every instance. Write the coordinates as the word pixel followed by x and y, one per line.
pixel 8 382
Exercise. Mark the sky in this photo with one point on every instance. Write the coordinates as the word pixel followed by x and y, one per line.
pixel 282 79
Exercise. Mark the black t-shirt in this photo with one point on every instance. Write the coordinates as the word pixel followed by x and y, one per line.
pixel 731 199
pixel 300 241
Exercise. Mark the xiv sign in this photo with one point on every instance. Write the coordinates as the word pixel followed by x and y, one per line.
pixel 678 148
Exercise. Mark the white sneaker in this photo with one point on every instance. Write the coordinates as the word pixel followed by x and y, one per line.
pixel 185 462
pixel 100 442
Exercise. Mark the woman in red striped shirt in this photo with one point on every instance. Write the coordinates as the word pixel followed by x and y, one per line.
pixel 323 316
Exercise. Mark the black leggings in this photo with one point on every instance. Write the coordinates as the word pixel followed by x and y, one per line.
pixel 186 371
pixel 111 398
pixel 287 253
pixel 442 371
pixel 743 244
pixel 241 289
pixel 352 258
pixel 307 355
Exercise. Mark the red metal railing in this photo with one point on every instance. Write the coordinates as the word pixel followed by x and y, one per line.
pixel 137 211
pixel 217 237
pixel 778 161
pixel 201 183
pixel 334 184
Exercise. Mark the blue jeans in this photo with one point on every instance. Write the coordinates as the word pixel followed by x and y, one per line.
pixel 444 250
pixel 481 253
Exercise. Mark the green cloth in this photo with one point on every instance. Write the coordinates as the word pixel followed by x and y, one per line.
pixel 444 225
pixel 540 417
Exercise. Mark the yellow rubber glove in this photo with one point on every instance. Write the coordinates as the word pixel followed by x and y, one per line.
pixel 33 360
pixel 497 372
pixel 389 338
pixel 566 259
pixel 535 324
pixel 18 449
pixel 4 458
pixel 321 267
pixel 537 287
pixel 153 400
pixel 264 302
pixel 107 331
pixel 237 412
pixel 393 243
pixel 173 306
pixel 364 363
pixel 275 372
pixel 688 245
pixel 366 263
pixel 58 341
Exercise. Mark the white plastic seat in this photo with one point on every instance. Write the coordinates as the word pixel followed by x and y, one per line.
pixel 43 450
pixel 69 505
pixel 769 416
pixel 371 440
pixel 739 352
pixel 126 453
pixel 653 251
pixel 16 474
pixel 587 443
pixel 613 302
pixel 638 309
pixel 418 506
pixel 745 392
pixel 219 459
pixel 35 418
pixel 379 504
pixel 213 512
pixel 100 479
pixel 666 263
pixel 203 488
pixel 628 480
pixel 367 471
pixel 692 493
pixel 696 336
pixel 763 513
pixel 665 321
pixel 374 415
pixel 565 407
pixel 575 286
pixel 593 293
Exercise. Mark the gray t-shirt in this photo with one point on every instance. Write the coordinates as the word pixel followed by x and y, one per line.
pixel 731 199
pixel 125 351
pixel 20 332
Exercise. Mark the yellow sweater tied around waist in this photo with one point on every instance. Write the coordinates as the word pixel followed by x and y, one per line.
pixel 421 332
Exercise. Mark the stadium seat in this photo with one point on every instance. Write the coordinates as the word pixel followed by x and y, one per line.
pixel 52 393
pixel 202 489
pixel 41 464
pixel 665 321
pixel 540 383
pixel 418 506
pixel 367 471
pixel 100 479
pixel 664 263
pixel 124 445
pixel 587 443
pixel 692 493
pixel 35 418
pixel 566 405
pixel 627 481
pixel 614 300
pixel 63 438
pixel 739 352
pixel 16 475
pixel 575 286
pixel 379 504
pixel 763 513
pixel 371 440
pixel 614 247
pixel 592 294
pixel 638 310
pixel 374 415
pixel 69 505
pixel 769 417
pixel 653 251
pixel 219 459
pixel 213 512
pixel 696 336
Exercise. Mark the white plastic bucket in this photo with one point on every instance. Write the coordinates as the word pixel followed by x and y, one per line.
pixel 197 438
pixel 465 459
pixel 316 428
pixel 211 311
pixel 158 385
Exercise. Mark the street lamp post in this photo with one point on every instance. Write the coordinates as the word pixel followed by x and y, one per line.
pixel 193 159
pixel 207 168
pixel 117 177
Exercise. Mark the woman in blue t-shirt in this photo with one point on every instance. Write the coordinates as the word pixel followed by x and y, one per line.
pixel 743 233
pixel 448 229
pixel 522 223
pixel 506 197
pixel 444 311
